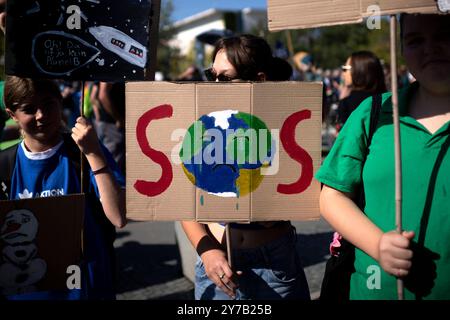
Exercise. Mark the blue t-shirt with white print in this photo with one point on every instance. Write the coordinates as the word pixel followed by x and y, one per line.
pixel 51 173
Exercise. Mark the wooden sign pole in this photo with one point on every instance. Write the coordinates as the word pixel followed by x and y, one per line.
pixel 398 156
pixel 81 153
pixel 228 239
pixel 82 164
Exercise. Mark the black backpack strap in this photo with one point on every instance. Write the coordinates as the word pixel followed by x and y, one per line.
pixel 7 164
pixel 374 115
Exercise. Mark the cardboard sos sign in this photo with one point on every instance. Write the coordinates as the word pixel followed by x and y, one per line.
pixel 223 152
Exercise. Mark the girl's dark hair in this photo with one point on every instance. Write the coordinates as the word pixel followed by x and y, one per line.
pixel 250 55
pixel 367 72
pixel 18 90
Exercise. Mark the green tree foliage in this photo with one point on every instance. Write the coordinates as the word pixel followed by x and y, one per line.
pixel 330 46
pixel 167 56
pixel 379 43
pixel 333 45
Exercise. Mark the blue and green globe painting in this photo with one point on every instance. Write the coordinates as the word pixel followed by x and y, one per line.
pixel 223 153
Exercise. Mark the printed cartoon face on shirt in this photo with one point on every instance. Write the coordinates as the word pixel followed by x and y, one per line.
pixel 19 226
pixel 223 153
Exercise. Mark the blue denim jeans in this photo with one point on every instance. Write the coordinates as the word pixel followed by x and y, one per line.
pixel 270 272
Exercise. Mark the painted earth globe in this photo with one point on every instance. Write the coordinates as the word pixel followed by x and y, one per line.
pixel 224 152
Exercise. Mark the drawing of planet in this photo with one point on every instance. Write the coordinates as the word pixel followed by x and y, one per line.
pixel 223 153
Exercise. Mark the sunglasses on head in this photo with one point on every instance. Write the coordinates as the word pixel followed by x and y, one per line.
pixel 211 75
pixel 345 68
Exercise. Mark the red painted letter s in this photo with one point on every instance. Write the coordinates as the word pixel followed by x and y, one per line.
pixel 153 188
pixel 287 137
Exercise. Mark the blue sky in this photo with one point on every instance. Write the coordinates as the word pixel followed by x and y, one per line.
pixel 185 8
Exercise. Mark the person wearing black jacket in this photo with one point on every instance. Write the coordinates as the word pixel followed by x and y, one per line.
pixel 363 77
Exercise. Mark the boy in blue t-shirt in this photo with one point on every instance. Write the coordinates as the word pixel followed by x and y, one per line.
pixel 44 167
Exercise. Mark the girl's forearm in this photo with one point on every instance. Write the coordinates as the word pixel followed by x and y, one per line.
pixel 195 231
pixel 347 219
pixel 112 196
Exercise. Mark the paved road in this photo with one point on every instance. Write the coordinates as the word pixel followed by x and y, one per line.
pixel 149 267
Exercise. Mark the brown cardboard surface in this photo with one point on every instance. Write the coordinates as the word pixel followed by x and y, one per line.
pixel 267 203
pixel 177 201
pixel 301 14
pixel 210 98
pixel 58 240
pixel 271 102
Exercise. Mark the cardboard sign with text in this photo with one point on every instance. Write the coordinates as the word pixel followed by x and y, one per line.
pixel 302 14
pixel 108 40
pixel 39 240
pixel 223 152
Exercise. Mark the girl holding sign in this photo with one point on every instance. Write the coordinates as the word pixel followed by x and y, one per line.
pixel 266 263
pixel 421 254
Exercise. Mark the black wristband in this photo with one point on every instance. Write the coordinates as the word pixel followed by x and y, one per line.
pixel 101 170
